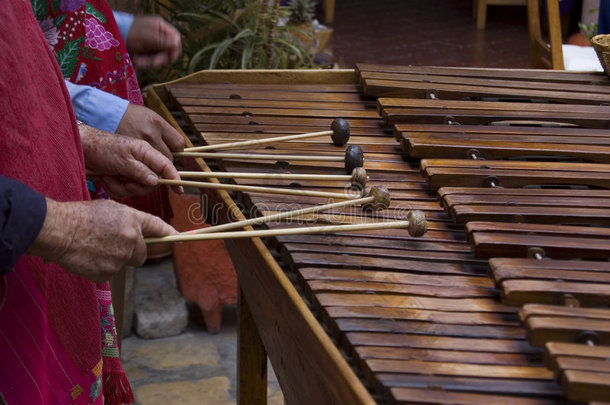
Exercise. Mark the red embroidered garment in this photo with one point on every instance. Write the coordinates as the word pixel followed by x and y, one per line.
pixel 90 51
pixel 57 338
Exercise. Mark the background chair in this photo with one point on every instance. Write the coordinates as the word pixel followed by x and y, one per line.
pixel 552 53
pixel 480 9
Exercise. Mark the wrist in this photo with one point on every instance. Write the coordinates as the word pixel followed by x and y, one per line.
pixel 56 233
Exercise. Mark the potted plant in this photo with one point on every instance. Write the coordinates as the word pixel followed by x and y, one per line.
pixel 300 18
pixel 229 34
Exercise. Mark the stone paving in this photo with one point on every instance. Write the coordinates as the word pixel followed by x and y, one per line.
pixel 192 367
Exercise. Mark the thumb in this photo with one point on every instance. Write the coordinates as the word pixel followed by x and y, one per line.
pixel 154 226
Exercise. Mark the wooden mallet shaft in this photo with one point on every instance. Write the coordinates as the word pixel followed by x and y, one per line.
pixel 258 189
pixel 378 198
pixel 357 178
pixel 261 156
pixel 415 223
pixel 339 133
pixel 353 157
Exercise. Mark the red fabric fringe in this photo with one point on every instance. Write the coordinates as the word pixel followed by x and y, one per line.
pixel 117 390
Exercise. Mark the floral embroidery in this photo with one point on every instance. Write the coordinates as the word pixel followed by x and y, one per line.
pixel 82 69
pixel 109 341
pixel 70 5
pixel 88 45
pixel 97 37
pixel 96 389
pixel 111 78
pixel 50 31
pixel 68 56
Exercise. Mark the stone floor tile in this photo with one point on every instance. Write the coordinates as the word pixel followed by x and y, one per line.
pixel 209 391
pixel 184 351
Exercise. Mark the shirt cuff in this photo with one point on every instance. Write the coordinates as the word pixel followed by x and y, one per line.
pixel 22 214
pixel 97 108
pixel 123 21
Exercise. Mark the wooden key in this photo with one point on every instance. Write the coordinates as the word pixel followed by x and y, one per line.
pixel 462 213
pixel 429 396
pixel 537 197
pixel 411 110
pixel 583 364
pixel 531 310
pixel 546 323
pixel 516 174
pixel 586 386
pixel 565 329
pixel 495 239
pixel 552 134
pixel 501 149
pixel 519 292
pixel 531 269
pixel 458 369
pixel 554 350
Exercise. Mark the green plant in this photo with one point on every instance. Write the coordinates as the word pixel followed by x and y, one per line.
pixel 228 34
pixel 301 11
pixel 590 29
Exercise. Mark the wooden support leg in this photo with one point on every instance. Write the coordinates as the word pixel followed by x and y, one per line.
pixel 251 359
pixel 117 289
pixel 329 11
pixel 481 14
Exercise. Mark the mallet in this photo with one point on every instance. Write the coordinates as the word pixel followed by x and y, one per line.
pixel 415 223
pixel 259 189
pixel 358 178
pixel 354 157
pixel 378 198
pixel 339 133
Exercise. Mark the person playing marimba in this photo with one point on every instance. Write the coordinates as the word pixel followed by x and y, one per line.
pixel 57 335
pixel 97 49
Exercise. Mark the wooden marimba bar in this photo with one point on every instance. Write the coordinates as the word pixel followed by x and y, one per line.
pixel 380 316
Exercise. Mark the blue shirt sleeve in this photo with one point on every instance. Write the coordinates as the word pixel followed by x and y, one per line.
pixel 123 21
pixel 22 213
pixel 97 108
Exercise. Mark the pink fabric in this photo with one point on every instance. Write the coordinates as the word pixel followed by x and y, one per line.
pixel 51 338
pixel 26 377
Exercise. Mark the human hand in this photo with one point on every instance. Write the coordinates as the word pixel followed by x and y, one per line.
pixel 152 42
pixel 125 166
pixel 143 123
pixel 96 239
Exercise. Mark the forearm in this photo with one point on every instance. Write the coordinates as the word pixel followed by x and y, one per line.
pixel 97 108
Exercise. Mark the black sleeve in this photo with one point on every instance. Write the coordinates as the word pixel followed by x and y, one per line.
pixel 22 213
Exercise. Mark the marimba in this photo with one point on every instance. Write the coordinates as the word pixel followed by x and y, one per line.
pixel 503 301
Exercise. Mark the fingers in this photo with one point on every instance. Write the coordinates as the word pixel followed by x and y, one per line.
pixel 150 225
pixel 153 42
pixel 169 39
pixel 154 226
pixel 153 61
pixel 159 144
pixel 171 137
pixel 144 168
pixel 115 187
pixel 138 256
pixel 151 159
pixel 143 123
